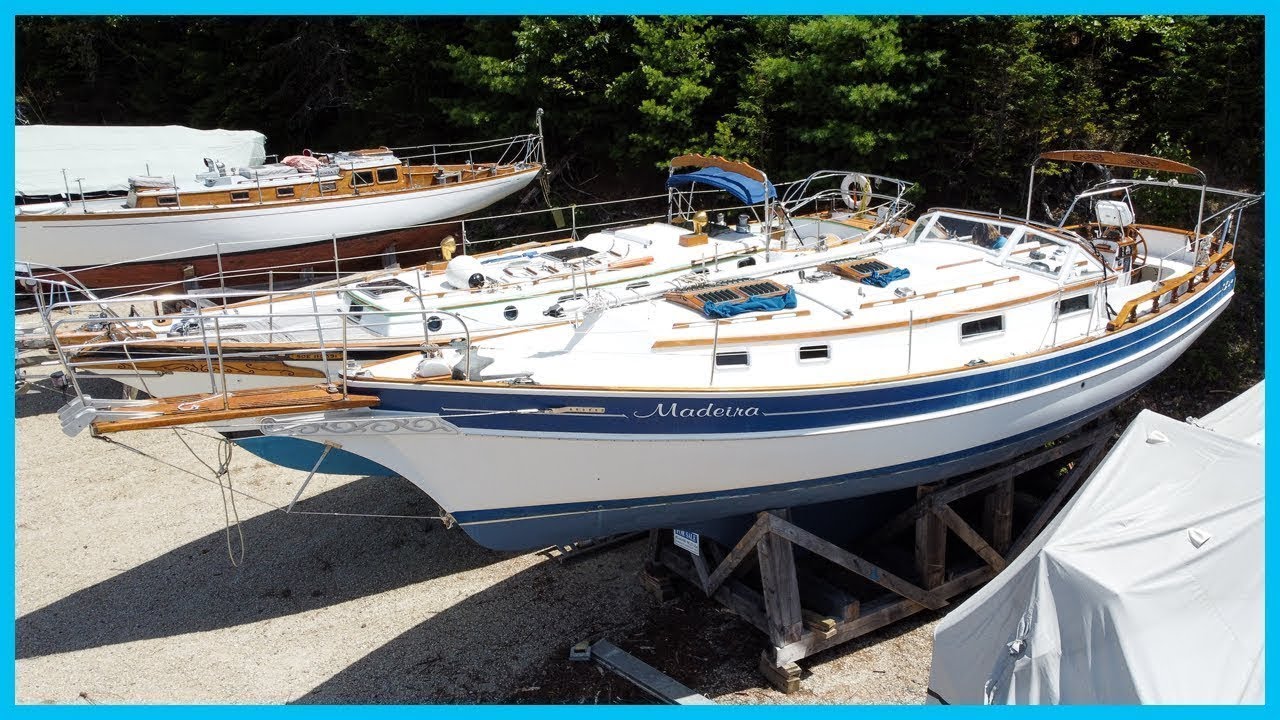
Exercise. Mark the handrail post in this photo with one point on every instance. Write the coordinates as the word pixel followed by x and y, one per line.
pixel 345 367
pixel 324 354
pixel 208 356
pixel 337 271
pixel 715 350
pixel 422 307
pixel 222 368
pixel 222 278
pixel 1057 316
pixel 271 299
pixel 911 323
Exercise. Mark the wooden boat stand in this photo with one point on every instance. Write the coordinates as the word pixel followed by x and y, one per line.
pixel 825 594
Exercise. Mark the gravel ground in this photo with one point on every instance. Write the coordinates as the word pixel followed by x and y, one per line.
pixel 126 593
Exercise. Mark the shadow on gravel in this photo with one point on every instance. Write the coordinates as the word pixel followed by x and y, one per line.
pixel 294 563
pixel 46 399
pixel 482 649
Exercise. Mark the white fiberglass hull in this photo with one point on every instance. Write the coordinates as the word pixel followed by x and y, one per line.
pixel 519 478
pixel 121 236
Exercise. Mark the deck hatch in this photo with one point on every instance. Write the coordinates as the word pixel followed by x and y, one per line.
pixel 378 288
pixel 570 254
pixel 871 271
pixel 733 298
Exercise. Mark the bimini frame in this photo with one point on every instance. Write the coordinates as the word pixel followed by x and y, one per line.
pixel 1119 159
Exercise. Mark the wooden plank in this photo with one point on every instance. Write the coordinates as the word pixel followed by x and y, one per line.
pixel 239 405
pixel 997 516
pixel 931 544
pixel 740 550
pixel 644 676
pixel 1056 499
pixel 879 617
pixel 854 563
pixel 742 600
pixel 1119 159
pixel 970 537
pixel 817 593
pixel 820 624
pixel 701 161
pixel 904 519
pixel 781 592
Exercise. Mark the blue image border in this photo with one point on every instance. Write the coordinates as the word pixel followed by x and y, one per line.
pixel 544 7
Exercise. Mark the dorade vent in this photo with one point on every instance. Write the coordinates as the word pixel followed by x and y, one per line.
pixel 871 271
pixel 722 301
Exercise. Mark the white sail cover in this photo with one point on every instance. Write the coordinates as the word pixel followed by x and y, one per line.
pixel 1147 588
pixel 107 156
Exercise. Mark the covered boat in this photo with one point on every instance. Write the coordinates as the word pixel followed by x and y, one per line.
pixel 1147 588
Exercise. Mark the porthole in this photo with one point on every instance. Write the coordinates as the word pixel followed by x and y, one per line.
pixel 737 358
pixel 510 312
pixel 985 326
pixel 815 352
pixel 434 323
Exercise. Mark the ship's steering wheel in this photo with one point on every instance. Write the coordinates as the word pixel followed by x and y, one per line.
pixel 1133 239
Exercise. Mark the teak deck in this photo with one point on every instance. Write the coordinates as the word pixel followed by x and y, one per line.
pixel 190 409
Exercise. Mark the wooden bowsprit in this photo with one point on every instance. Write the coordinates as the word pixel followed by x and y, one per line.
pixel 831 594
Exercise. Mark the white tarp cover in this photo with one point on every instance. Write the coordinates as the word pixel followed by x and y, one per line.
pixel 1242 417
pixel 107 156
pixel 1147 588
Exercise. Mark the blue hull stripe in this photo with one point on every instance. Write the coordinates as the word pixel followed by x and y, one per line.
pixel 539 525
pixel 788 411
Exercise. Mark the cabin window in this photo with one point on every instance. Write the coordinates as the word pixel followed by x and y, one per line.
pixel 362 177
pixel 284 192
pixel 984 326
pixel 240 196
pixel 737 358
pixel 167 200
pixel 1079 303
pixel 815 352
pixel 434 323
pixel 510 312
pixel 387 175
pixel 328 186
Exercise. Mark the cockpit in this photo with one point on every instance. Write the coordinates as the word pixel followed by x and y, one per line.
pixel 1014 245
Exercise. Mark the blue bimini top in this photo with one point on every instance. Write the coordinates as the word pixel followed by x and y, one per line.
pixel 740 186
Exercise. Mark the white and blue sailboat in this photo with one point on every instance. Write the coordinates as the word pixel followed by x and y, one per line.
pixel 976 337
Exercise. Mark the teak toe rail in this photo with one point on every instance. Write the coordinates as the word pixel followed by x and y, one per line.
pixel 1128 314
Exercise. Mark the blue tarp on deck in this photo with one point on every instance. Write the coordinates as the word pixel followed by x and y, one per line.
pixel 742 187
pixel 729 308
